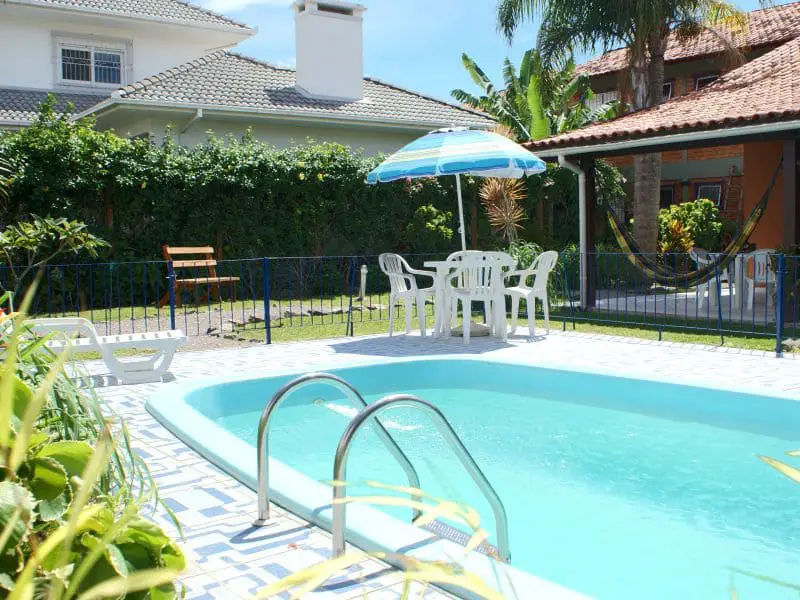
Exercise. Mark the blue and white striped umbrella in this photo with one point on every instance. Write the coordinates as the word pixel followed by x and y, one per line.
pixel 458 151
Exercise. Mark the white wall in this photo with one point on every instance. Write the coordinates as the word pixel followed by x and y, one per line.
pixel 26 42
pixel 278 134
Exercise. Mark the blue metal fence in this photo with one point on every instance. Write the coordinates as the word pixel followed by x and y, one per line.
pixel 270 298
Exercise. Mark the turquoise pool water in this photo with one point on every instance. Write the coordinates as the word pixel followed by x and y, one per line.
pixel 614 487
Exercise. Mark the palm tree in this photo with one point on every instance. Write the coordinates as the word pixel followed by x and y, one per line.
pixel 538 101
pixel 644 27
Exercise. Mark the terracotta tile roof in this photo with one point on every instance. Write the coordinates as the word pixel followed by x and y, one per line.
pixel 766 27
pixel 227 80
pixel 20 107
pixel 169 11
pixel 763 90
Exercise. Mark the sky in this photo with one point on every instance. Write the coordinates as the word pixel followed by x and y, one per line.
pixel 416 44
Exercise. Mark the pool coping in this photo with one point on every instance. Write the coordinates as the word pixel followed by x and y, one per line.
pixel 310 499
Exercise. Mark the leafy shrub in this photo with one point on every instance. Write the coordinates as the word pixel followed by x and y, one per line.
pixel 700 220
pixel 249 199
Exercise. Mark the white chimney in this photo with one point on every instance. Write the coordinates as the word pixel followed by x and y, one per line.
pixel 330 49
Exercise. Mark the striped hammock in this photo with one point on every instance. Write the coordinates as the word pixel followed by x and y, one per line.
pixel 654 271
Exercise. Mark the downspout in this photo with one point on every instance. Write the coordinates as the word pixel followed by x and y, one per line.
pixel 195 118
pixel 564 163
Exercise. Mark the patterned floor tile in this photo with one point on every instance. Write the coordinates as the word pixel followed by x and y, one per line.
pixel 231 559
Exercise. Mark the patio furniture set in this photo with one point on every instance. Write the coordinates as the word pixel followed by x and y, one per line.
pixel 745 273
pixel 464 278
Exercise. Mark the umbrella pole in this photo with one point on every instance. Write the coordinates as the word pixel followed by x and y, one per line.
pixel 461 214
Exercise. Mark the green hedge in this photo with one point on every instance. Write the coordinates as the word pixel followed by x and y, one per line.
pixel 248 198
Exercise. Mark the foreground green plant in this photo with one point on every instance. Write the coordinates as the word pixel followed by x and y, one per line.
pixel 35 242
pixel 70 500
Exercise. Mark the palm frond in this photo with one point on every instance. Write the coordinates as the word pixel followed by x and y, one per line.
pixel 477 74
pixel 512 13
pixel 468 99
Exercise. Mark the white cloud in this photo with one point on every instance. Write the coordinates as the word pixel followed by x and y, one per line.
pixel 289 63
pixel 231 6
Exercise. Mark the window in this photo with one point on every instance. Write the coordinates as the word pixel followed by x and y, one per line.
pixel 601 98
pixel 90 65
pixel 705 80
pixel 667 90
pixel 709 190
pixel 667 196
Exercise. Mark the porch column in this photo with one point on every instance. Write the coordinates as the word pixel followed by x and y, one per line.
pixel 588 232
pixel 790 193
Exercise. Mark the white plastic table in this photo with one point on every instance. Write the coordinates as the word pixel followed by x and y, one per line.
pixel 441 307
pixel 443 268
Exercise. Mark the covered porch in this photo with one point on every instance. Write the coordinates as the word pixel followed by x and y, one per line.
pixel 755 108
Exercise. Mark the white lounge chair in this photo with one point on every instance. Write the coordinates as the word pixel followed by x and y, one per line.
pixel 403 287
pixel 133 370
pixel 540 271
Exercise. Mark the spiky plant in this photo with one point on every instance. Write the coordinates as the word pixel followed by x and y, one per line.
pixel 500 199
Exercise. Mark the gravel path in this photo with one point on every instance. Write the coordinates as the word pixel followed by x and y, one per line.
pixel 219 326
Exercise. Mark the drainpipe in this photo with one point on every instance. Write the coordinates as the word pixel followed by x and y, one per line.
pixel 563 162
pixel 195 118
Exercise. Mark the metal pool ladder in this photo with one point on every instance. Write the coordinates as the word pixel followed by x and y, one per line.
pixel 263 437
pixel 451 437
pixel 367 412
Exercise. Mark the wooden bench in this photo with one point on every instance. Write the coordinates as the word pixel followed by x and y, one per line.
pixel 207 261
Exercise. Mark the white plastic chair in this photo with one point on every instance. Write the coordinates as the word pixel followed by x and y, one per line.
pixel 540 270
pixel 403 287
pixel 134 370
pixel 478 277
pixel 758 273
pixel 703 258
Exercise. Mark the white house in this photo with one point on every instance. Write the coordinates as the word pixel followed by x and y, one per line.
pixel 141 66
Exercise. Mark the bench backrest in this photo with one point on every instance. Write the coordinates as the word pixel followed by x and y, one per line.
pixel 206 252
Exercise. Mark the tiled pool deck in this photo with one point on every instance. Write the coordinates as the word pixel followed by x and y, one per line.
pixel 230 559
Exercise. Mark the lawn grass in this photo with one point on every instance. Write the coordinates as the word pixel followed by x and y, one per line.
pixel 367 322
pixel 669 332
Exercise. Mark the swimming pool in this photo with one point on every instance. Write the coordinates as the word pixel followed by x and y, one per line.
pixel 614 487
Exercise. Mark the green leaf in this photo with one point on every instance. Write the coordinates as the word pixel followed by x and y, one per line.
pixel 22 395
pixel 73 455
pixel 48 478
pixel 172 557
pixel 124 585
pixel 112 553
pixel 145 533
pixel 6 582
pixel 16 514
pixel 51 488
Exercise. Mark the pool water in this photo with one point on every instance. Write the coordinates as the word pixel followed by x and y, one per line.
pixel 616 488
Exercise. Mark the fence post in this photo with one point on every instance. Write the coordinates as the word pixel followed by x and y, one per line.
pixel 719 302
pixel 267 311
pixel 171 279
pixel 779 305
pixel 568 293
pixel 351 284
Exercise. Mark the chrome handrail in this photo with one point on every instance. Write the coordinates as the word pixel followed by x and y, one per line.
pixel 263 436
pixel 450 436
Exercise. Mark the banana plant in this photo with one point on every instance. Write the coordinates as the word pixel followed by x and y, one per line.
pixel 539 100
